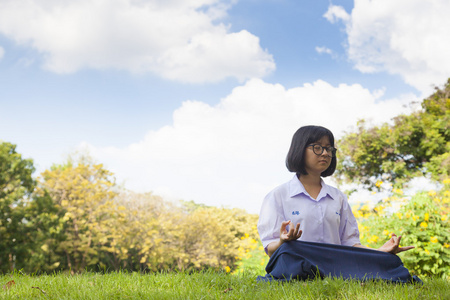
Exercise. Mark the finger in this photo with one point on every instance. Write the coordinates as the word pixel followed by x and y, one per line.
pixel 290 233
pixel 283 226
pixel 299 234
pixel 401 249
pixel 291 228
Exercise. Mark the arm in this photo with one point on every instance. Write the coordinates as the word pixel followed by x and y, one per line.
pixel 285 236
pixel 391 246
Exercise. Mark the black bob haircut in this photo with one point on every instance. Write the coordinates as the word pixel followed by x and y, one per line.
pixel 303 137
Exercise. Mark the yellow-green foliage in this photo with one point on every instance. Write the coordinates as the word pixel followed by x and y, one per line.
pixel 83 192
pixel 92 224
pixel 423 222
pixel 206 237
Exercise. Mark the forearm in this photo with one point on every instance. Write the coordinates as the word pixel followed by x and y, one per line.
pixel 388 247
pixel 272 247
pixel 362 246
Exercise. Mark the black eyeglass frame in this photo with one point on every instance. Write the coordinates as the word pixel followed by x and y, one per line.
pixel 331 151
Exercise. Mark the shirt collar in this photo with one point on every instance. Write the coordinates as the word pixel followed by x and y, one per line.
pixel 297 188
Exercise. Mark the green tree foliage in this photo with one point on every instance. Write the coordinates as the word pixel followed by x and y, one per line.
pixel 415 145
pixel 47 231
pixel 16 185
pixel 79 219
pixel 76 218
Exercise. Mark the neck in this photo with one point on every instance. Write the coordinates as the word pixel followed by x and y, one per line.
pixel 310 180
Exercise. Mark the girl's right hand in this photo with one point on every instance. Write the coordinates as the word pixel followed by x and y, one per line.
pixel 292 234
pixel 285 236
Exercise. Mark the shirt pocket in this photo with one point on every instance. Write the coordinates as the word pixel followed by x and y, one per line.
pixel 333 214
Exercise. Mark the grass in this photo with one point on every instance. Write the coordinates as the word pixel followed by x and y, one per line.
pixel 206 285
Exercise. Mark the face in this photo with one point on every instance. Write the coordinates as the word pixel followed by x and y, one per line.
pixel 316 164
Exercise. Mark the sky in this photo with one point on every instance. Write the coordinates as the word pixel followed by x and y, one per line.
pixel 199 99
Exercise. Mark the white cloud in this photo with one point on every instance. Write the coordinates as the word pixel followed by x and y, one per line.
pixel 177 39
pixel 2 52
pixel 233 153
pixel 336 13
pixel 326 50
pixel 405 37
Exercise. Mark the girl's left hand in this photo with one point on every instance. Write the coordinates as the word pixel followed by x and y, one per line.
pixel 393 245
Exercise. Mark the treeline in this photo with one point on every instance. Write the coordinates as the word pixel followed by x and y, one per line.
pixel 74 217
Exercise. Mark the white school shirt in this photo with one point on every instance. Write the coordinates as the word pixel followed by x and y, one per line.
pixel 327 219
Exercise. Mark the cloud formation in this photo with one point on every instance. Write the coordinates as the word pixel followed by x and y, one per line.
pixel 325 50
pixel 181 40
pixel 336 13
pixel 405 37
pixel 233 153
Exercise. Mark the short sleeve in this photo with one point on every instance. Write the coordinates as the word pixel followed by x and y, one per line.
pixel 348 229
pixel 270 219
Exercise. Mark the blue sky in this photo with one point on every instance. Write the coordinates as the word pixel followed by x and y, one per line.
pixel 198 99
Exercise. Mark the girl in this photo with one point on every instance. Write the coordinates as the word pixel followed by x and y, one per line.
pixel 320 212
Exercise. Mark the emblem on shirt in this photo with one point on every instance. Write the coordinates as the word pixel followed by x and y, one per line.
pixel 338 213
pixel 295 212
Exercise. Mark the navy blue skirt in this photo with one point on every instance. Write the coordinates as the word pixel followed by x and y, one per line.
pixel 307 260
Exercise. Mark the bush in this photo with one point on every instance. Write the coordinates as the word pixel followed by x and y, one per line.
pixel 251 255
pixel 423 222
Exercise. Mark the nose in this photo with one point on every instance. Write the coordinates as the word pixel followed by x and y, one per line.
pixel 325 150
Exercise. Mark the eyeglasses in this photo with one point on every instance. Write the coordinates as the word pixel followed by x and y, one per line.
pixel 318 150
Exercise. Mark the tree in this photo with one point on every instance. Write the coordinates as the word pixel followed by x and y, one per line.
pixel 46 232
pixel 16 185
pixel 415 145
pixel 135 232
pixel 84 191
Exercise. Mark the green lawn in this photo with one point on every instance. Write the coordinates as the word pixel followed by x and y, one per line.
pixel 206 285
